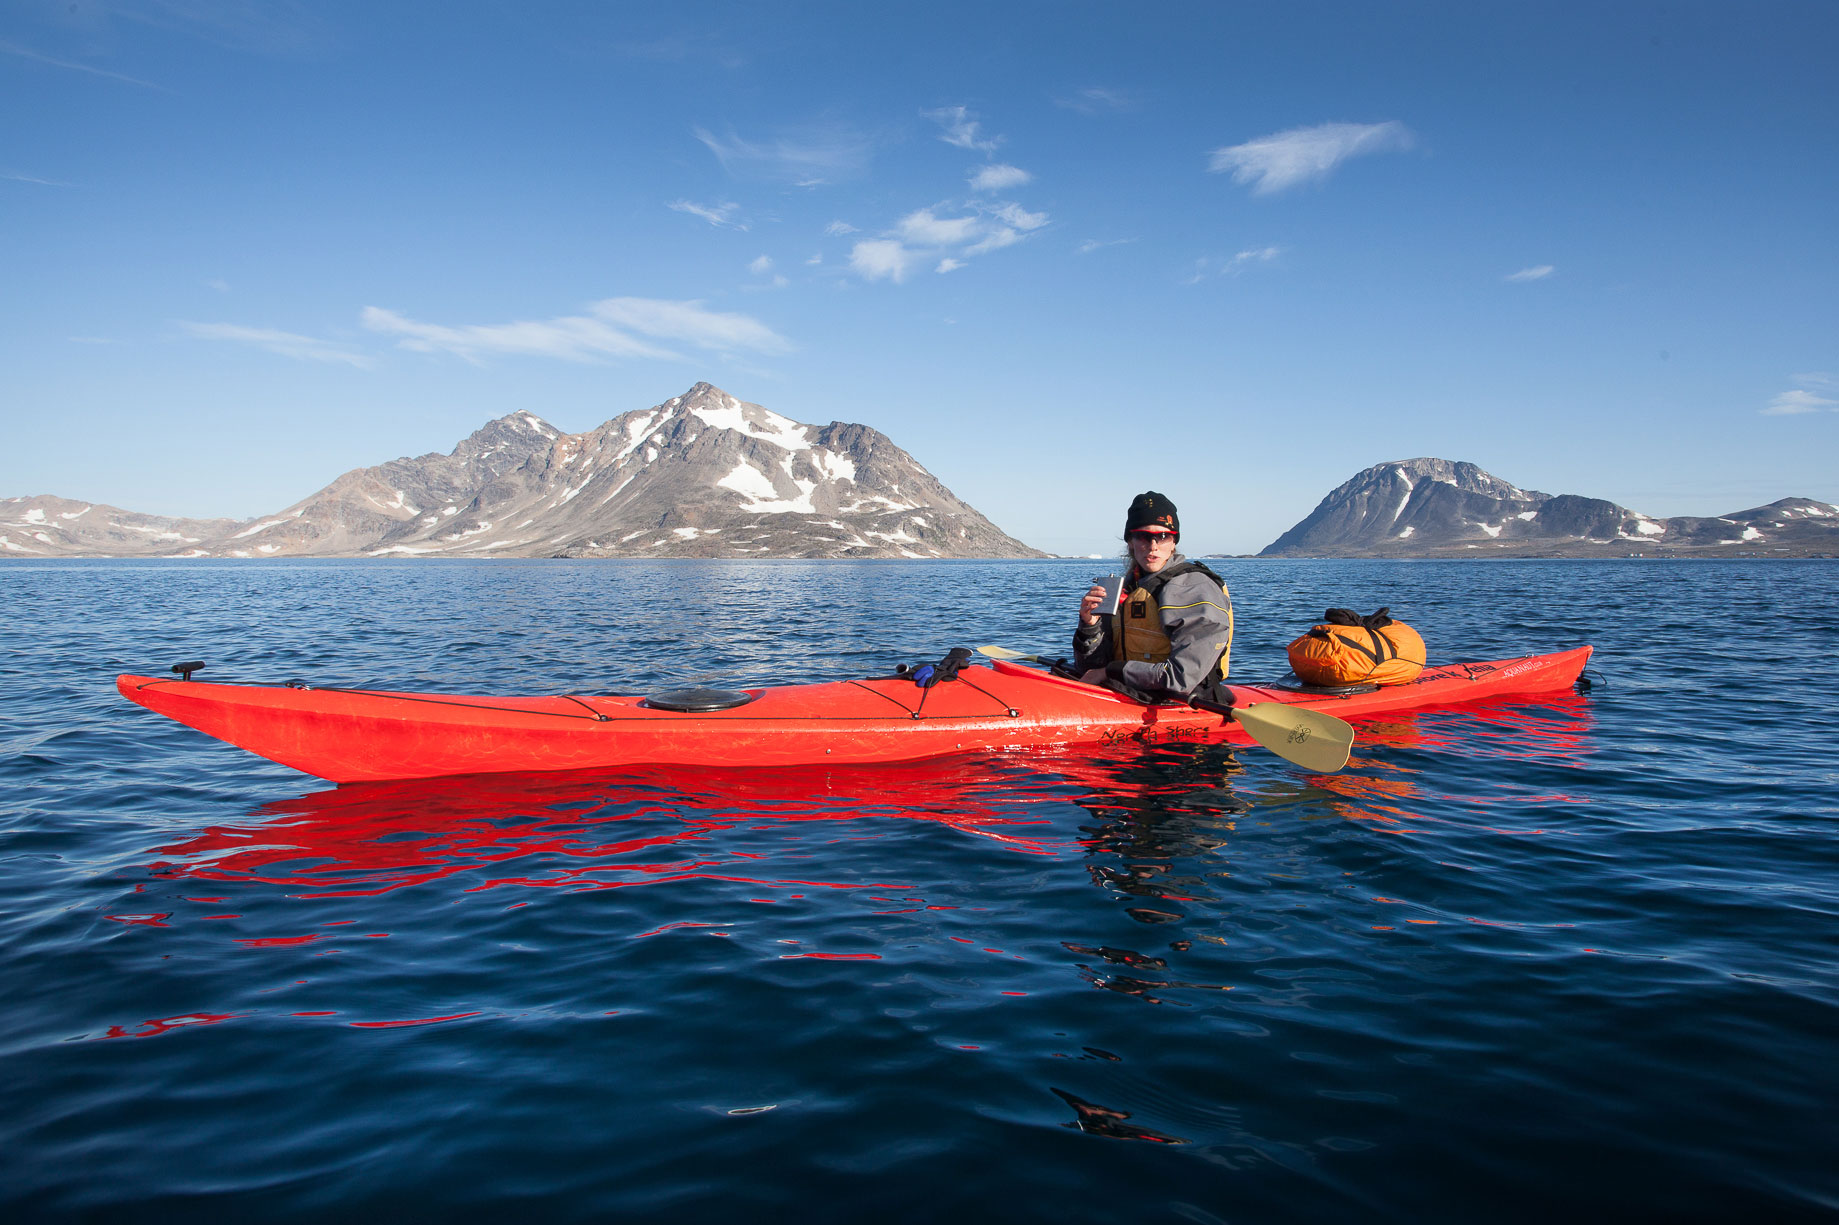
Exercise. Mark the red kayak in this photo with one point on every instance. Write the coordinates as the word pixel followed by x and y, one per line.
pixel 367 735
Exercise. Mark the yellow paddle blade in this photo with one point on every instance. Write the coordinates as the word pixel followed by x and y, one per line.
pixel 1309 738
pixel 1004 653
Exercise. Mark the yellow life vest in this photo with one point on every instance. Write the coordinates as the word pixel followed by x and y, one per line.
pixel 1136 627
pixel 1351 650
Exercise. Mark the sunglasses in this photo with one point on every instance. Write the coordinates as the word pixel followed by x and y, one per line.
pixel 1149 537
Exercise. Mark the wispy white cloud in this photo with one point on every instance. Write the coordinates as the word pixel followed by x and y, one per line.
pixel 763 266
pixel 287 344
pixel 1298 155
pixel 612 328
pixel 836 229
pixel 877 259
pixel 721 215
pixel 1095 244
pixel 1793 402
pixel 999 177
pixel 1019 217
pixel 32 179
pixel 962 130
pixel 219 284
pixel 1208 266
pixel 923 234
pixel 13 48
pixel 1096 101
pixel 1538 272
pixel 1814 395
pixel 947 235
pixel 995 239
pixel 922 227
pixel 809 157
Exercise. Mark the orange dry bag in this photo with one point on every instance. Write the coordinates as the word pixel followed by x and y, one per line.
pixel 1350 649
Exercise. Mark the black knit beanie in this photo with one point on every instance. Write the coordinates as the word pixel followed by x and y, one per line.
pixel 1152 510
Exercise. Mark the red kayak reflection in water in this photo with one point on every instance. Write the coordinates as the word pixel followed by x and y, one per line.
pixel 1553 732
pixel 603 829
pixel 1553 728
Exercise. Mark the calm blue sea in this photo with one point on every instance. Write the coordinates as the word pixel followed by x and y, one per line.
pixel 1571 958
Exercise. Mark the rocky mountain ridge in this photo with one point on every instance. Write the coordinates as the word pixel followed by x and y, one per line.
pixel 701 475
pixel 1438 508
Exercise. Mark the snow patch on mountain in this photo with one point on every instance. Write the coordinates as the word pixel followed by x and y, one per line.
pixel 763 496
pixel 636 430
pixel 833 467
pixel 761 424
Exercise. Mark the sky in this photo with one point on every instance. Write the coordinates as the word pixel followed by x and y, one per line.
pixel 1060 252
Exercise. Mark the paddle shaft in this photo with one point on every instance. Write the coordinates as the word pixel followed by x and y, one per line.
pixel 1307 738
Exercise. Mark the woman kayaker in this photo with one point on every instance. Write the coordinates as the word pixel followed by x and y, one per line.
pixel 1170 636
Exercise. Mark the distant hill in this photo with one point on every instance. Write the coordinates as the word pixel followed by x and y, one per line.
pixel 47 526
pixel 701 475
pixel 1438 508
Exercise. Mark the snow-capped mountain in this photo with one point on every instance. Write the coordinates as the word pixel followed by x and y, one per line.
pixel 701 475
pixel 1433 507
pixel 47 526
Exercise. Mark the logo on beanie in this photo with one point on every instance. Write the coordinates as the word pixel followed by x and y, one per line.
pixel 1152 509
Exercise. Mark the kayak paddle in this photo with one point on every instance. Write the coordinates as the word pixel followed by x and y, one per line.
pixel 1308 738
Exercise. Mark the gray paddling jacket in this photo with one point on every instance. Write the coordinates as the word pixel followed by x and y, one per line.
pixel 1169 638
